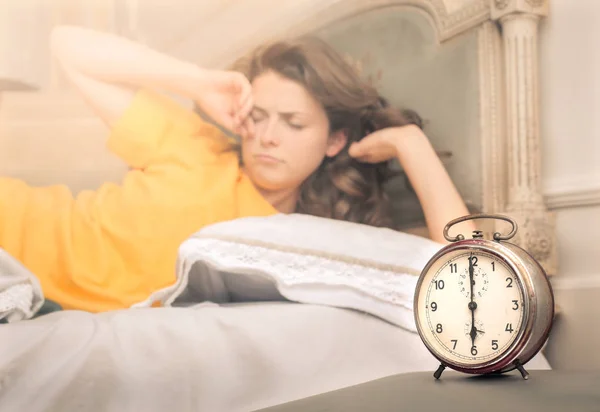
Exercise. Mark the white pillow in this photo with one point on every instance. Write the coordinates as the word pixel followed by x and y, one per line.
pixel 305 259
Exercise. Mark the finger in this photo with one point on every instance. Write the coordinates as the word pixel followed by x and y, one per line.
pixel 364 158
pixel 367 144
pixel 245 87
pixel 242 88
pixel 251 127
pixel 235 117
pixel 225 120
pixel 245 108
pixel 242 132
pixel 240 128
pixel 248 128
pixel 369 159
pixel 356 150
pixel 242 99
pixel 245 104
pixel 245 91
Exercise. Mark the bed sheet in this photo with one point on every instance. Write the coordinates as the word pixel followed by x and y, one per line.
pixel 208 357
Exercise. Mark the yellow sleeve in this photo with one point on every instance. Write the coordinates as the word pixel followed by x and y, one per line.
pixel 31 216
pixel 154 128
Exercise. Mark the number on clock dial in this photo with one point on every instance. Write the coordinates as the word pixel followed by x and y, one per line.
pixel 498 314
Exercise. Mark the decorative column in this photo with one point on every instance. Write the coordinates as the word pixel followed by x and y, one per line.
pixel 525 202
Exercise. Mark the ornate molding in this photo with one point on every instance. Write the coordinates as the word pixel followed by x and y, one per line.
pixel 573 192
pixel 492 118
pixel 502 8
pixel 447 23
pixel 536 236
pixel 522 84
pixel 501 4
pixel 448 18
pixel 536 3
pixel 525 200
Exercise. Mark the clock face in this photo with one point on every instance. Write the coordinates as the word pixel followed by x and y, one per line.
pixel 470 307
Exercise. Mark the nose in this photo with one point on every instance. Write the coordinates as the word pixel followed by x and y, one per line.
pixel 267 133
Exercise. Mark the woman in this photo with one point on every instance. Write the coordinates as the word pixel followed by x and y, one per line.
pixel 301 113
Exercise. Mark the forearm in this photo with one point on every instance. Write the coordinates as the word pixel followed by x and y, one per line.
pixel 112 59
pixel 434 188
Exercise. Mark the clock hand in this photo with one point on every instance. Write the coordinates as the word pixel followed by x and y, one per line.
pixel 473 332
pixel 471 280
pixel 472 304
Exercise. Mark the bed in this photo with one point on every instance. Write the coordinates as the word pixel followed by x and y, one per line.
pixel 239 335
pixel 264 311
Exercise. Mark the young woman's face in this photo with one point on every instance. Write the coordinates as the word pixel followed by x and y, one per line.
pixel 291 134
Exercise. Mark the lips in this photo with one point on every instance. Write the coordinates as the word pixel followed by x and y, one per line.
pixel 261 157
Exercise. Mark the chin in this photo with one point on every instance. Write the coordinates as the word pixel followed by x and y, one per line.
pixel 269 185
pixel 271 182
pixel 265 179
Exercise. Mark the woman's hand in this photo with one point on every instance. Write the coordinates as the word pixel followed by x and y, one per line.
pixel 439 198
pixel 226 97
pixel 384 144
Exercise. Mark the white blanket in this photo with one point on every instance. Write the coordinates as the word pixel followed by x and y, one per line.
pixel 20 292
pixel 203 358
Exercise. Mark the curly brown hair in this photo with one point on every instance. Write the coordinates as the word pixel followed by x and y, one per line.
pixel 342 187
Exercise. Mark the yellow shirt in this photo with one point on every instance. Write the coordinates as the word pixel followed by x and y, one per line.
pixel 109 248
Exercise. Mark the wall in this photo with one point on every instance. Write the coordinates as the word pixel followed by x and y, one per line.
pixel 182 28
pixel 570 94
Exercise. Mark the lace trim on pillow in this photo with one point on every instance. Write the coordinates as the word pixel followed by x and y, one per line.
pixel 310 252
pixel 16 302
pixel 292 269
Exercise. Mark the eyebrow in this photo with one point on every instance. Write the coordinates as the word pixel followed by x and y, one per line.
pixel 284 114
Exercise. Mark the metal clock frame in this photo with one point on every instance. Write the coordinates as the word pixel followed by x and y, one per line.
pixel 538 305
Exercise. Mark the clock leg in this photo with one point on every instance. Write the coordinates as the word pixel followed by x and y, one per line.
pixel 439 371
pixel 521 369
